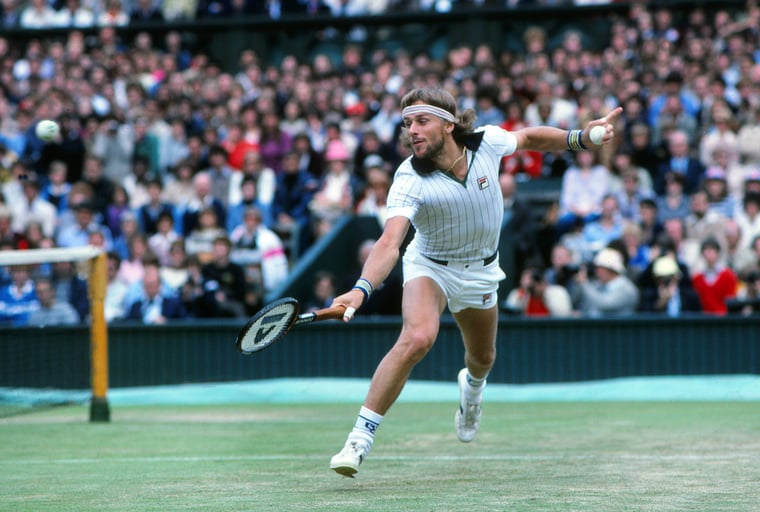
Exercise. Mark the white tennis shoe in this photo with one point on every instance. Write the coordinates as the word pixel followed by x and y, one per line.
pixel 467 418
pixel 347 461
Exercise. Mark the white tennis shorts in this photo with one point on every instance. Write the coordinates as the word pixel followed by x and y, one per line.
pixel 466 285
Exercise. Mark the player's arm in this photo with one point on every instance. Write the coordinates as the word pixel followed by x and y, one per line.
pixel 380 262
pixel 547 138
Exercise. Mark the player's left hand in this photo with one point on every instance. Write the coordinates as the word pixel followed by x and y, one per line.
pixel 608 123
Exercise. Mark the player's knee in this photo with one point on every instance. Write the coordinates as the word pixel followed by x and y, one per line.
pixel 483 358
pixel 417 343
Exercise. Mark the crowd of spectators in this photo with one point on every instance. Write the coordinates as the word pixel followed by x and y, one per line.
pixel 205 184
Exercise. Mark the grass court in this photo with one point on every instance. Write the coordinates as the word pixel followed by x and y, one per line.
pixel 568 456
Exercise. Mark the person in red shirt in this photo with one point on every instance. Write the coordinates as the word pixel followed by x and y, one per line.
pixel 716 282
pixel 523 162
pixel 237 146
pixel 536 298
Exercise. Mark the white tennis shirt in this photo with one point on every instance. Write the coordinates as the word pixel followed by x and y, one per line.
pixel 456 220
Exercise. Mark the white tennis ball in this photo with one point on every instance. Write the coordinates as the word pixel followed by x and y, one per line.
pixel 47 130
pixel 596 134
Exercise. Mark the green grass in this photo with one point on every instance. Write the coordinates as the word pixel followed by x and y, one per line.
pixel 689 456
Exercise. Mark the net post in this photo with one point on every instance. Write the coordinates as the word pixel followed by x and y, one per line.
pixel 99 409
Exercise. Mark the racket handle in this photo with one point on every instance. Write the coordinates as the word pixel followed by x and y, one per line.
pixel 331 313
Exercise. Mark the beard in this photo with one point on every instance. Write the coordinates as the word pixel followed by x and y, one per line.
pixel 432 151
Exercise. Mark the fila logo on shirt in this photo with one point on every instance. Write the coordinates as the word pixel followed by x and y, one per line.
pixel 483 182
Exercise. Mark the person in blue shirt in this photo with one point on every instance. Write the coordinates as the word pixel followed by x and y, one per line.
pixel 19 298
pixel 290 207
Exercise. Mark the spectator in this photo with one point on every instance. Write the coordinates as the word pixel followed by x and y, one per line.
pixel 674 203
pixel 290 206
pixel 73 14
pixel 7 235
pixel 716 189
pixel 102 187
pixel 132 269
pixel 31 207
pixel 274 142
pixel 599 233
pixel 249 199
pixel 370 146
pixel 174 147
pixel 583 187
pixel 669 292
pixel 534 297
pixel 715 283
pixel 161 241
pixel 253 166
pixel 77 234
pixel 702 221
pixel 720 135
pixel 179 189
pixel 116 290
pixel 175 272
pixel 643 152
pixel 228 283
pixel 637 253
pixel 521 163
pixel 128 227
pixel 113 15
pixel 198 299
pixel 116 209
pixel 71 286
pixel 679 162
pixel 734 171
pixel 335 196
pixel 38 14
pixel 254 244
pixel 203 199
pixel 201 239
pixel 611 292
pixel 737 257
pixel 145 11
pixel 149 213
pixel 631 193
pixel 517 226
pixel 673 90
pixel 51 311
pixel 220 174
pixel 322 292
pixel 237 146
pixel 309 159
pixel 153 307
pixel 373 200
pixel 56 190
pixel 19 298
pixel 747 300
pixel 113 144
pixel 748 218
pixel 146 146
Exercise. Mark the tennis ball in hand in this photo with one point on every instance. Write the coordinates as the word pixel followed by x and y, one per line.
pixel 47 130
pixel 596 134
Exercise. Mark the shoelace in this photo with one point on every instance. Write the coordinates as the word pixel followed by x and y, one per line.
pixel 471 414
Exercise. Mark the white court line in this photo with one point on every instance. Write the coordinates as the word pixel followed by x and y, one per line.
pixel 402 458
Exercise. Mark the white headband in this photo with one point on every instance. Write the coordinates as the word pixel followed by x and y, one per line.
pixel 428 109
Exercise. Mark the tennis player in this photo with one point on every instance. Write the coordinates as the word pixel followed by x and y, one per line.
pixel 449 191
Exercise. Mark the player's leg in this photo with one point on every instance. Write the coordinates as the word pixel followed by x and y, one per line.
pixel 478 328
pixel 422 304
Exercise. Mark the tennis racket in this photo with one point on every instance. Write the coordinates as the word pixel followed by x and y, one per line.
pixel 274 321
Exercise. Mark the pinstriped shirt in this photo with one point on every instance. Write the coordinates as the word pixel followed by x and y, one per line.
pixel 455 220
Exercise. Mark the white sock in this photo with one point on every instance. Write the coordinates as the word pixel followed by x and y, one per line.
pixel 364 430
pixel 473 390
